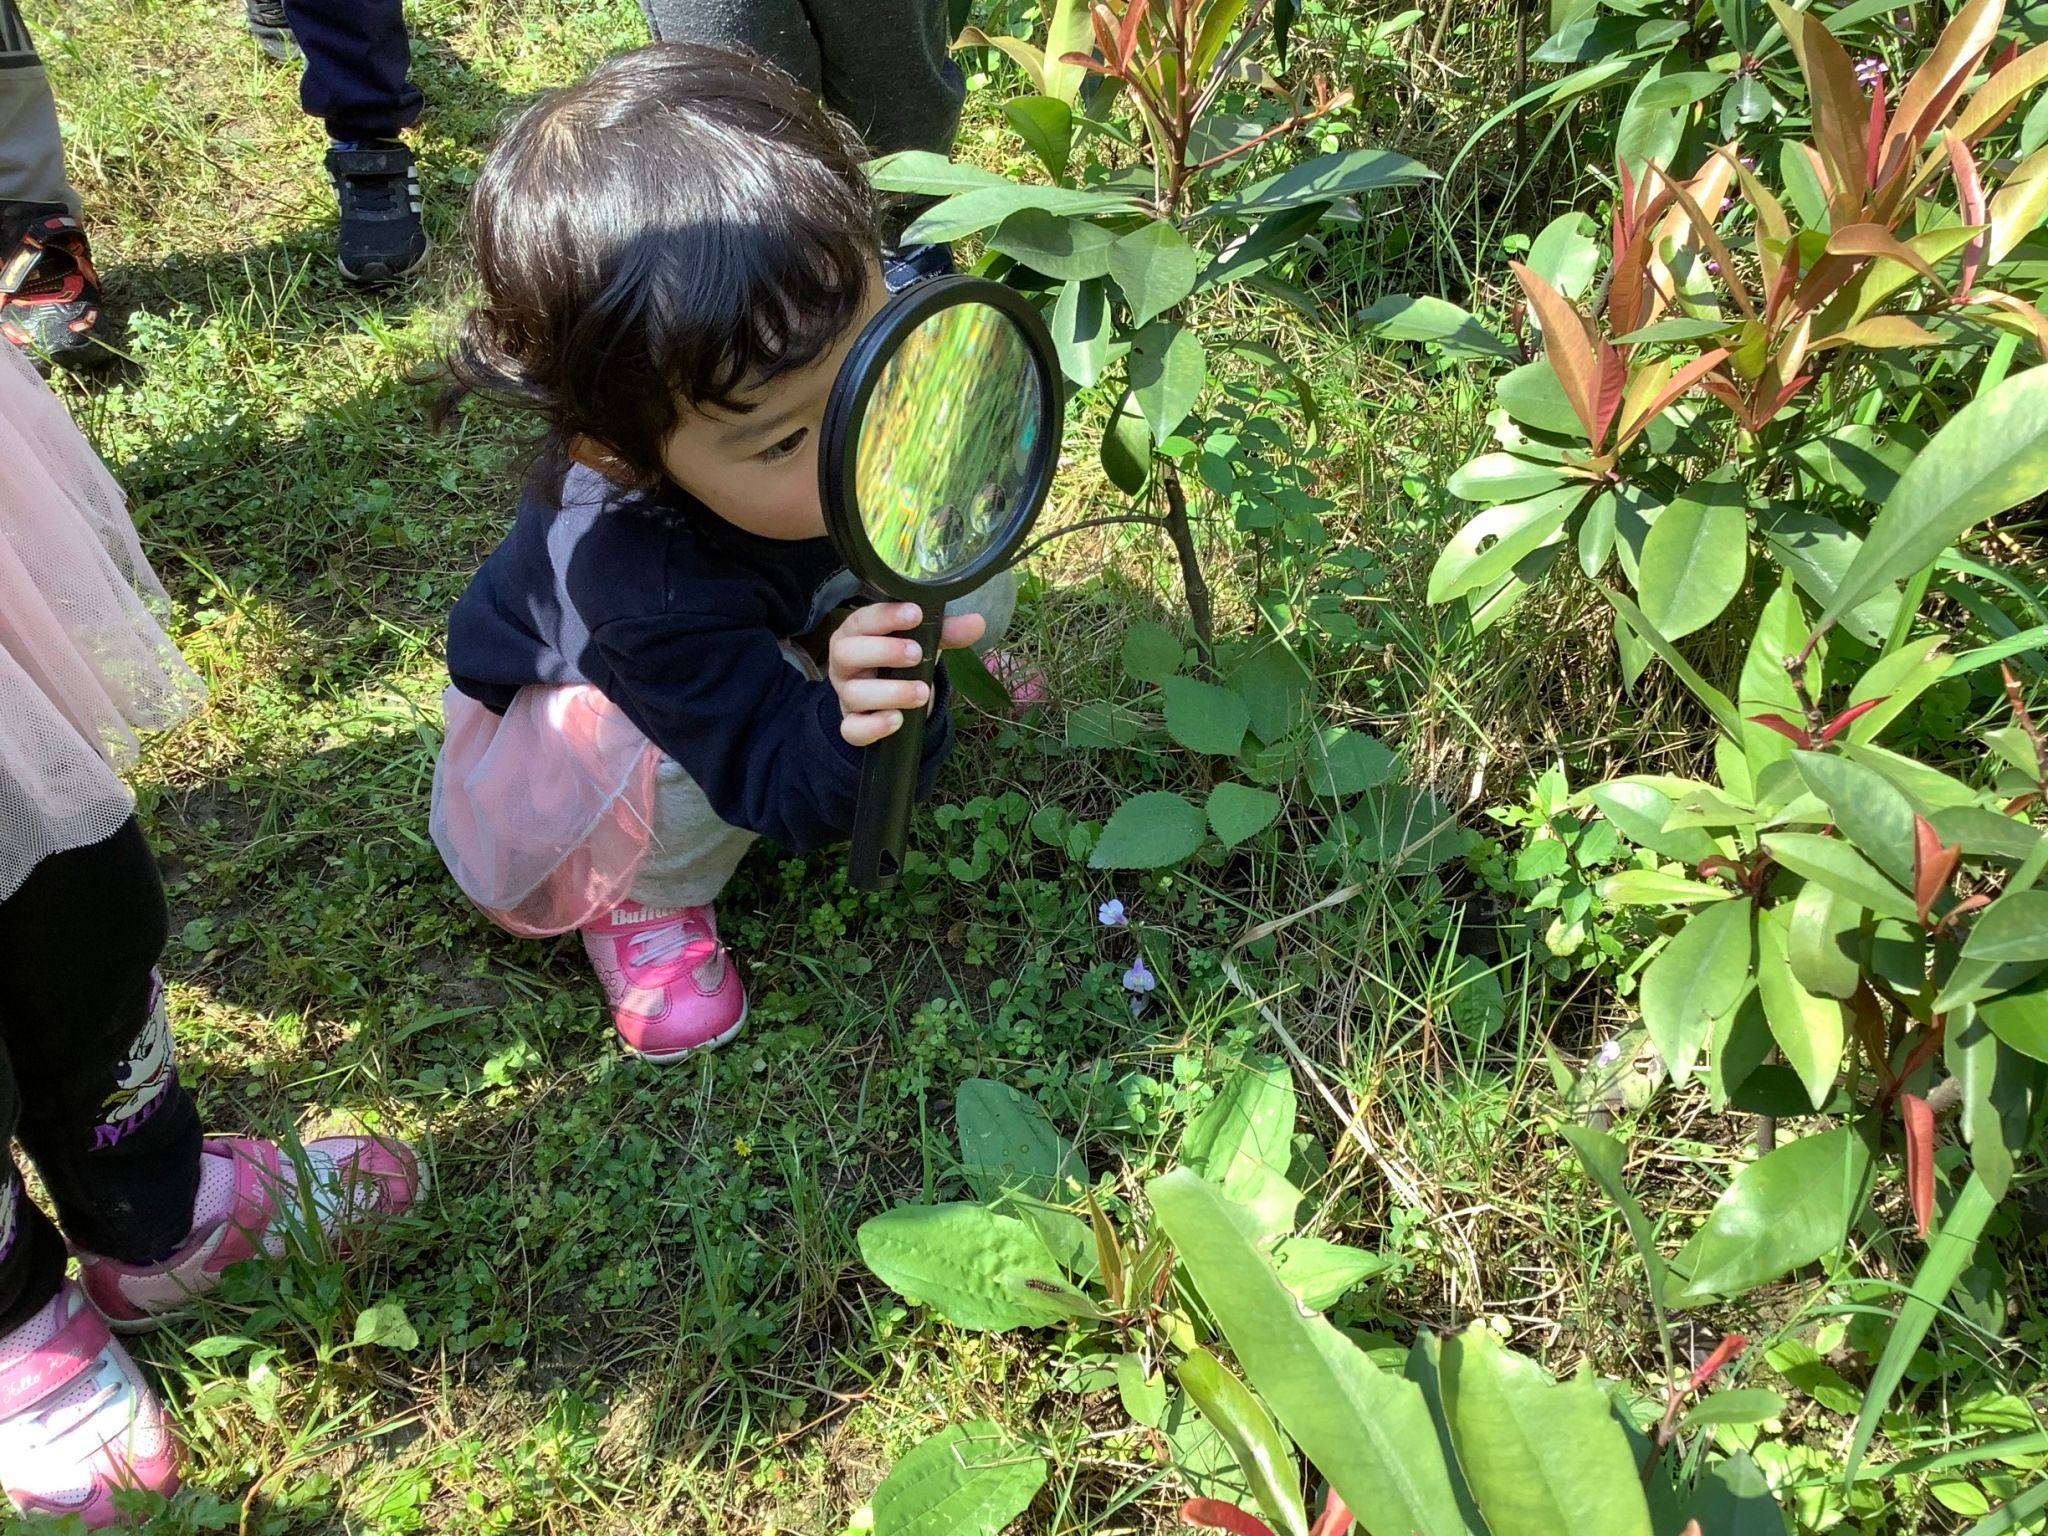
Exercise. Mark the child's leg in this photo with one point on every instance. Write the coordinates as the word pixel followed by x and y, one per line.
pixel 111 1129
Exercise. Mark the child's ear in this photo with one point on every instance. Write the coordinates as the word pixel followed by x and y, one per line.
pixel 590 453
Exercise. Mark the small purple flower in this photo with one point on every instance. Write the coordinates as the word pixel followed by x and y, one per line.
pixel 1111 914
pixel 1608 1054
pixel 1870 70
pixel 1139 979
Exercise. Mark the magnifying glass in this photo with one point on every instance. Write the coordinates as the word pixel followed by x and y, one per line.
pixel 940 440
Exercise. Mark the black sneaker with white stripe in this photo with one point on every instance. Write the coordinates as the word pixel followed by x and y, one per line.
pixel 271 28
pixel 382 238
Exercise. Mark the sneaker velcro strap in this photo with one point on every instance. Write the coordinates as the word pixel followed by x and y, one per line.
pixel 70 1352
pixel 370 162
pixel 18 267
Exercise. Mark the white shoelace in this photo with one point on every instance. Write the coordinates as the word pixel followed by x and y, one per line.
pixel 667 942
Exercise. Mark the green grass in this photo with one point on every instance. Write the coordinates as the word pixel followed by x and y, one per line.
pixel 635 1294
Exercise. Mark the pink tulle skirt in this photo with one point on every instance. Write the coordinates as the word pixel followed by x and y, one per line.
pixel 84 660
pixel 543 814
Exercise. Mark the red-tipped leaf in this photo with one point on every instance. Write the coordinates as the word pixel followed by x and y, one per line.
pixel 1796 734
pixel 1731 1345
pixel 1934 865
pixel 1568 343
pixel 1215 1515
pixel 1335 1520
pixel 1847 718
pixel 1919 1119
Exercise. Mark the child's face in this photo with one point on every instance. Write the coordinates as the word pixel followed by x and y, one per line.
pixel 759 469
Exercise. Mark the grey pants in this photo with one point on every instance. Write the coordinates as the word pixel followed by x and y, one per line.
pixel 880 64
pixel 693 854
pixel 31 152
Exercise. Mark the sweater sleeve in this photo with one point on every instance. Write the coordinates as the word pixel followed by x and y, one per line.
pixel 759 738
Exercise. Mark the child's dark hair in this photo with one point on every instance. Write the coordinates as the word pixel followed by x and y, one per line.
pixel 680 225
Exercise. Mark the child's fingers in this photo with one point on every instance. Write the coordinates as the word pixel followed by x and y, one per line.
pixel 881 619
pixel 866 730
pixel 862 695
pixel 855 653
pixel 962 631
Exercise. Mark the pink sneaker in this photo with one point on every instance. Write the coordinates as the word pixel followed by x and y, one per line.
pixel 672 987
pixel 250 1196
pixel 77 1421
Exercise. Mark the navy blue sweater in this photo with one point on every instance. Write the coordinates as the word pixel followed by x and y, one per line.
pixel 678 618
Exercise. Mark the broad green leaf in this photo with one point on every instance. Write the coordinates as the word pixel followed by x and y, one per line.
pixel 1896 681
pixel 977 1269
pixel 1045 242
pixel 1369 1432
pixel 1948 1250
pixel 1539 1454
pixel 1822 945
pixel 1781 1212
pixel 1766 687
pixel 1641 811
pixel 1733 1498
pixel 1201 1457
pixel 919 170
pixel 1155 267
pixel 1738 1405
pixel 1151 652
pixel 1596 38
pixel 1099 723
pixel 1148 831
pixel 1144 1397
pixel 1272 237
pixel 1322 1273
pixel 1127 449
pixel 1343 762
pixel 1654 888
pixel 1700 974
pixel 1406 830
pixel 1497 540
pixel 1927 787
pixel 1168 369
pixel 1991 455
pixel 1007 1145
pixel 1264 1455
pixel 970 212
pixel 1694 559
pixel 1998 1098
pixel 969 1479
pixel 1857 460
pixel 1243 1141
pixel 387 1326
pixel 1323 179
pixel 1740 1044
pixel 2014 927
pixel 1405 317
pixel 1818 552
pixel 1868 811
pixel 1494 478
pixel 2013 1515
pixel 1842 870
pixel 1810 1030
pixel 1070 32
pixel 1278 688
pixel 1565 254
pixel 1047 125
pixel 1205 718
pixel 1534 396
pixel 1081 328
pixel 1238 811
pixel 2020 1018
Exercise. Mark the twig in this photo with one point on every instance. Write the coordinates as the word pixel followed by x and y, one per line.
pixel 1336 103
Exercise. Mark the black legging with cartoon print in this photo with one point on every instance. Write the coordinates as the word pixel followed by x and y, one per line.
pixel 87 1084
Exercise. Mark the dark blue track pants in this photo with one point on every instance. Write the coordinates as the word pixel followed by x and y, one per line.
pixel 356 62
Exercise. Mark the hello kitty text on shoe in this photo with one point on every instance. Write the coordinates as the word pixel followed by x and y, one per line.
pixel 671 985
pixel 251 1195
pixel 77 1421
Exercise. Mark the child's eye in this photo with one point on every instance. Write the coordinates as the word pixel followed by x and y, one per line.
pixel 776 452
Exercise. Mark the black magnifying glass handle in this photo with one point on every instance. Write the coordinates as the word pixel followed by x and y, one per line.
pixel 888 774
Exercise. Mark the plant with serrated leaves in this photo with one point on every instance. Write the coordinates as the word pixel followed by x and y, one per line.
pixel 1202 1305
pixel 1756 367
pixel 1122 253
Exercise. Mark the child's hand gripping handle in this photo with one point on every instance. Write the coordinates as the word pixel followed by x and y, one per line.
pixel 888 772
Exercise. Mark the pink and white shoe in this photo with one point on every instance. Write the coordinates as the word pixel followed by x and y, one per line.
pixel 671 984
pixel 77 1421
pixel 250 1198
